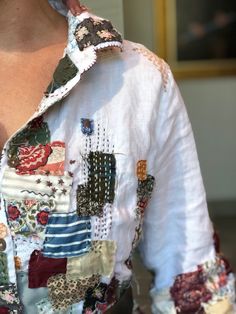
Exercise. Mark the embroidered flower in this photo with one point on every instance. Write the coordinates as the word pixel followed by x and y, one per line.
pixel 13 212
pixel 81 32
pixel 3 231
pixel 42 217
pixel 30 203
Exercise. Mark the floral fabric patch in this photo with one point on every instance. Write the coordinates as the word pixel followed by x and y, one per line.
pixel 144 193
pixel 41 159
pixel 9 297
pixel 100 260
pixel 64 292
pixel 100 188
pixel 36 133
pixel 4 279
pixel 67 235
pixel 28 216
pixel 191 292
pixel 95 299
pixel 94 32
pixel 65 71
pixel 101 297
pixel 42 268
pixel 87 126
pixel 38 187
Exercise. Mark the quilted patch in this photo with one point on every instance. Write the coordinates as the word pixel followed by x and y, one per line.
pixel 36 133
pixel 4 279
pixel 38 187
pixel 203 288
pixel 28 216
pixel 65 71
pixel 100 260
pixel 100 188
pixel 9 297
pixel 67 235
pixel 142 170
pixel 94 32
pixel 87 126
pixel 144 193
pixel 41 159
pixel 64 292
pixel 42 268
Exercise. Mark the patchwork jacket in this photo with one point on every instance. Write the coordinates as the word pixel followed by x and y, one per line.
pixel 108 162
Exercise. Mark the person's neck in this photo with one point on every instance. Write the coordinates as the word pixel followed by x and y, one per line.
pixel 28 25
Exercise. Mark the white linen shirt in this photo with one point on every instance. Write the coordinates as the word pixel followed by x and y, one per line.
pixel 109 162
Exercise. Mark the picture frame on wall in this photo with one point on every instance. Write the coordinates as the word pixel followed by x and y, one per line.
pixel 197 38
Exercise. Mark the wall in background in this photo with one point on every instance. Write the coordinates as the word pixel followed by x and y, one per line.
pixel 211 104
pixel 110 9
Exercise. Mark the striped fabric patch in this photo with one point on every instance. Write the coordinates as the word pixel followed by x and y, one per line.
pixel 67 235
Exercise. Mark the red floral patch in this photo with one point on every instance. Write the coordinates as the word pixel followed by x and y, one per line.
pixel 42 217
pixel 13 212
pixel 32 157
pixel 189 291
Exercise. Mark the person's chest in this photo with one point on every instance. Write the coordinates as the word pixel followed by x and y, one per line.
pixel 23 79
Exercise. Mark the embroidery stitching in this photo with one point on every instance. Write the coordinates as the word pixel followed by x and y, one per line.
pixel 100 188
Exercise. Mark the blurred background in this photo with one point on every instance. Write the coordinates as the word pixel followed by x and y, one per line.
pixel 208 88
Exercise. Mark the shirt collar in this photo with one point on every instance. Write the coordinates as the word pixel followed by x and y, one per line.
pixel 87 34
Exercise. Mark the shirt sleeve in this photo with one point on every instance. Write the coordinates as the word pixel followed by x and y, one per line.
pixel 177 243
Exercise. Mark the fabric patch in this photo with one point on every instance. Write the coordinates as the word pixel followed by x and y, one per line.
pixel 9 297
pixel 38 187
pixel 45 307
pixel 23 248
pixel 100 188
pixel 63 292
pixel 3 245
pixel 101 297
pixel 100 260
pixel 193 290
pixel 56 161
pixel 87 126
pixel 222 306
pixel 32 157
pixel 67 235
pixel 94 297
pixel 4 279
pixel 3 231
pixel 142 170
pixel 42 268
pixel 35 133
pixel 28 216
pixel 95 31
pixel 65 71
pixel 144 193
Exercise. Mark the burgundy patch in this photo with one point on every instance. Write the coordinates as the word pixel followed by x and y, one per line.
pixel 41 268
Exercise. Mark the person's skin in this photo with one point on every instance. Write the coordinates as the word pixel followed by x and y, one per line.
pixel 32 39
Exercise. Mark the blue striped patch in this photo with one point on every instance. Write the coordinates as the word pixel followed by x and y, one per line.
pixel 67 235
